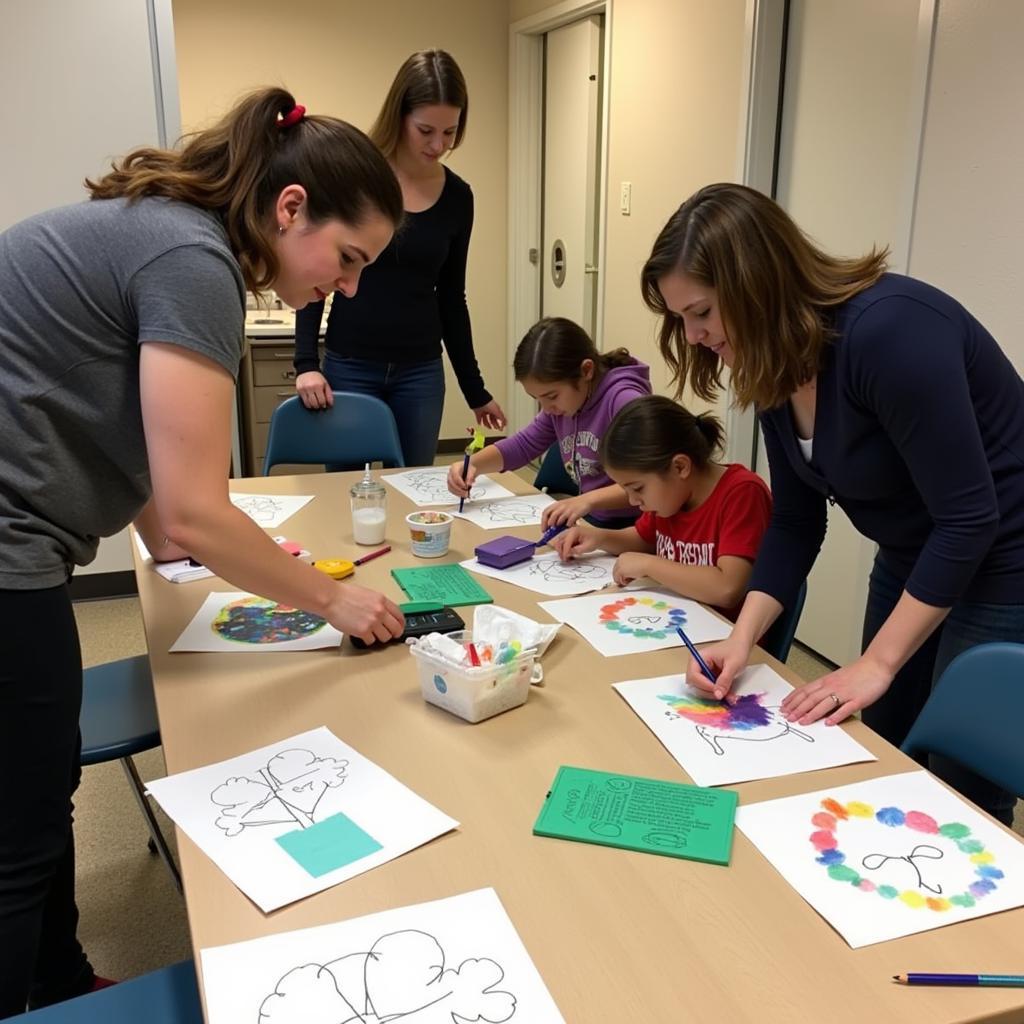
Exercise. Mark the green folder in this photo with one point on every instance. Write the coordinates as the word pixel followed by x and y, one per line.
pixel 635 813
pixel 447 585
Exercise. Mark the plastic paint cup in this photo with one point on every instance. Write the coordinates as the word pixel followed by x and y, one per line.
pixel 431 533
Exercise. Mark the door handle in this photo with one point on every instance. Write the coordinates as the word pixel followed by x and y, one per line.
pixel 558 260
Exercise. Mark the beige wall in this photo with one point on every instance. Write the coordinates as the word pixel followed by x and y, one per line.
pixel 339 57
pixel 969 220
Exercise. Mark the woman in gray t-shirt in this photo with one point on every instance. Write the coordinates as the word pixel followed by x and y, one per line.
pixel 119 346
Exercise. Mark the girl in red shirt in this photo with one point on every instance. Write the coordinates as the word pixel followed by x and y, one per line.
pixel 701 521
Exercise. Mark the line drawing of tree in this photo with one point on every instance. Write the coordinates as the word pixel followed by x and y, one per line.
pixel 286 790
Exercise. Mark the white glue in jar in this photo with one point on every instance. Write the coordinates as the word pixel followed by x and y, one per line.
pixel 369 509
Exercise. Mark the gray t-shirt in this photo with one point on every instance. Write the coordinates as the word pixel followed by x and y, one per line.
pixel 80 288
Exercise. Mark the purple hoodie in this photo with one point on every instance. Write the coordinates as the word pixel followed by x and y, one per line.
pixel 578 436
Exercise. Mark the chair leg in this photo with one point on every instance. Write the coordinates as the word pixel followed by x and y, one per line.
pixel 156 836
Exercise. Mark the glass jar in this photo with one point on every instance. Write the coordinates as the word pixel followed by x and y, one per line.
pixel 369 510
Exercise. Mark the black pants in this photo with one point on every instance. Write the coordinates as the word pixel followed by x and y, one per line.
pixel 41 960
pixel 894 713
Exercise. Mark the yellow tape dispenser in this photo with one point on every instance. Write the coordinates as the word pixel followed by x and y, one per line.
pixel 336 568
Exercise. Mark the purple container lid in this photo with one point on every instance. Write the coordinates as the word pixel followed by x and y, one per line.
pixel 502 552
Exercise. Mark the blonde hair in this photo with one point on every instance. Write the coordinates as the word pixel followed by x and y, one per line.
pixel 238 168
pixel 775 289
pixel 427 78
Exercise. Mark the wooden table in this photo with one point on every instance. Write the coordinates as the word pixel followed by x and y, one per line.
pixel 617 936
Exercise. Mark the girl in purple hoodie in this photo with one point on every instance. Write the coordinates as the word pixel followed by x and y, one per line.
pixel 579 390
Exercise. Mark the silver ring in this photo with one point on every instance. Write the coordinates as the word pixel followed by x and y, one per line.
pixel 836 699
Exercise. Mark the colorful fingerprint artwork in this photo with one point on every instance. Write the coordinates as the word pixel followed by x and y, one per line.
pixel 889 857
pixel 236 622
pixel 635 621
pixel 717 742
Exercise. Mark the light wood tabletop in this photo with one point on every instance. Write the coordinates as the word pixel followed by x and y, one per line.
pixel 618 936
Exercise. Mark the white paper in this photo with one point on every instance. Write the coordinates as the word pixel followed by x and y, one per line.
pixel 717 743
pixel 430 487
pixel 505 513
pixel 234 622
pixel 454 959
pixel 937 862
pixel 548 574
pixel 300 790
pixel 270 510
pixel 635 621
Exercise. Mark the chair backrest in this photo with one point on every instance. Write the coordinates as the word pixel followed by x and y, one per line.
pixel 167 996
pixel 779 638
pixel 552 477
pixel 974 713
pixel 357 429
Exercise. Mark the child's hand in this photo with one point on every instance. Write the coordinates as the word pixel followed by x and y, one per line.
pixel 568 510
pixel 574 542
pixel 629 566
pixel 457 484
pixel 726 659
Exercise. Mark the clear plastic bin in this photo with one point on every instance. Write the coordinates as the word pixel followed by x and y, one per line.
pixel 469 692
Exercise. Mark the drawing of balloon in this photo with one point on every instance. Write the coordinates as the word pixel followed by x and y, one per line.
pixel 646 618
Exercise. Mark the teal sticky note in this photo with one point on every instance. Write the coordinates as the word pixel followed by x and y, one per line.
pixel 328 845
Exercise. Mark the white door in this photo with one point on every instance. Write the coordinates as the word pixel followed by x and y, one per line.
pixel 842 175
pixel 572 103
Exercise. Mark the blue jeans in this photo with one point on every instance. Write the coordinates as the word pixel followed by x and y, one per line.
pixel 414 392
pixel 967 625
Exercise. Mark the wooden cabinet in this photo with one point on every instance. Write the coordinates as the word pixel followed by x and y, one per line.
pixel 267 379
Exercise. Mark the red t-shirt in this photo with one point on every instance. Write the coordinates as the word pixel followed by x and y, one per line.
pixel 731 521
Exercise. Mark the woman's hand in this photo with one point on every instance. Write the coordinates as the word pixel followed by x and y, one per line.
pixel 727 660
pixel 365 614
pixel 568 510
pixel 631 565
pixel 314 390
pixel 574 542
pixel 490 416
pixel 839 694
pixel 458 484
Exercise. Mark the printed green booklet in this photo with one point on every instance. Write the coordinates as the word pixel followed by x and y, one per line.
pixel 448 585
pixel 647 815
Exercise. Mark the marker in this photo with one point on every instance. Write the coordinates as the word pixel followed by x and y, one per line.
pixel 550 534
pixel 696 654
pixel 373 554
pixel 474 446
pixel 465 470
pixel 473 656
pixel 1000 980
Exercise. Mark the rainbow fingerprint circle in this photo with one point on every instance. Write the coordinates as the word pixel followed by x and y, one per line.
pixel 255 620
pixel 632 616
pixel 827 821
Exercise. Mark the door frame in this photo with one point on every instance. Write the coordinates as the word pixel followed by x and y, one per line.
pixel 526 177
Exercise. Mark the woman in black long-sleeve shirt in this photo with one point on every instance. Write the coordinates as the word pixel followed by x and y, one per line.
pixel 385 339
pixel 878 393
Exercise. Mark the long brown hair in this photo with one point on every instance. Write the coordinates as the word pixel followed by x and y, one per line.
pixel 775 290
pixel 238 168
pixel 649 432
pixel 554 349
pixel 427 78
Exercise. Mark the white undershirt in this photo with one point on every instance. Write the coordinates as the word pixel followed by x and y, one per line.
pixel 805 447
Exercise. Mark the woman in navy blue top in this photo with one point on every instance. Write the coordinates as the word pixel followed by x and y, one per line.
pixel 880 394
pixel 385 340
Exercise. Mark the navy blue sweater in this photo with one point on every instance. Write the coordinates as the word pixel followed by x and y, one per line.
pixel 919 438
pixel 411 298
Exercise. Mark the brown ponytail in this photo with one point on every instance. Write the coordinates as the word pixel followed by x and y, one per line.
pixel 554 349
pixel 649 432
pixel 239 167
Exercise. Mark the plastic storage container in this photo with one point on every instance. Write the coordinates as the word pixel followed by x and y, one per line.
pixel 469 692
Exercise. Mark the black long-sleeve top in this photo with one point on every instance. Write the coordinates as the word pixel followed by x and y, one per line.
pixel 919 437
pixel 409 300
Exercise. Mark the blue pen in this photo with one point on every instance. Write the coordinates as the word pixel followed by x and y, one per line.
pixel 550 534
pixel 696 654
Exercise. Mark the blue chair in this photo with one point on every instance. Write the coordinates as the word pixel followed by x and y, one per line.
pixel 990 679
pixel 118 719
pixel 357 429
pixel 167 996
pixel 552 477
pixel 779 638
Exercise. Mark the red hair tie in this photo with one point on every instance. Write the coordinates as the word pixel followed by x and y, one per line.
pixel 294 116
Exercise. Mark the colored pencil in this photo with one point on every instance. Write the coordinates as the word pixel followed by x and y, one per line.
pixel 696 654
pixel 373 554
pixel 1002 980
pixel 465 470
